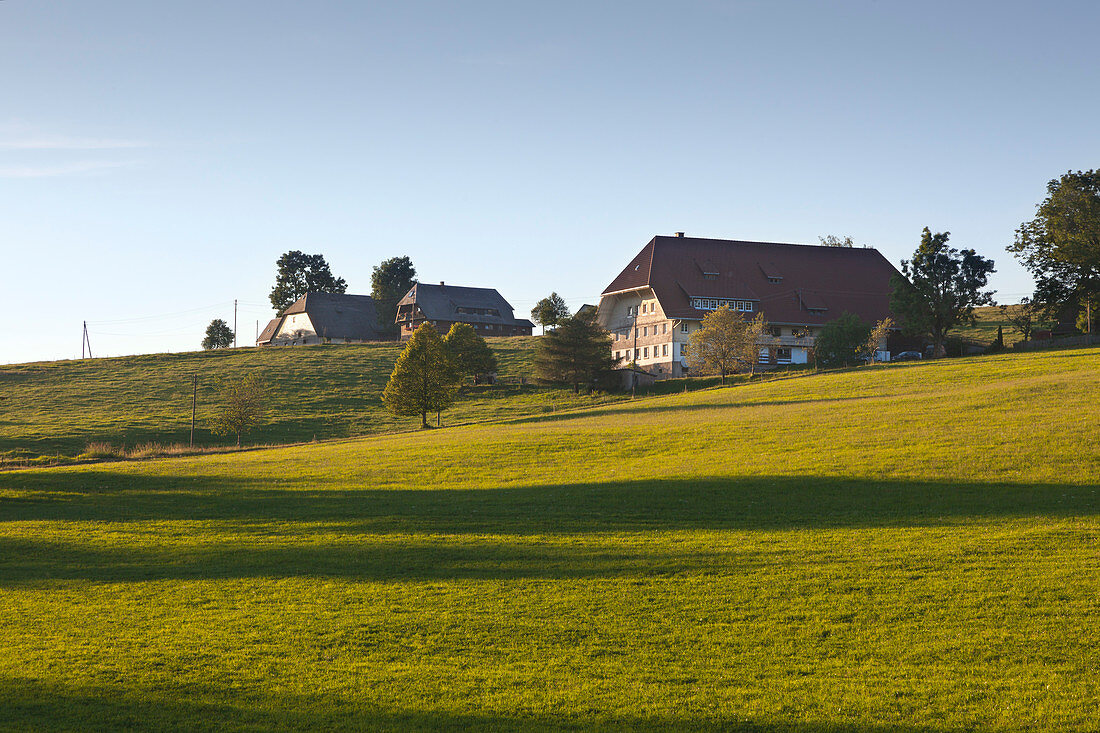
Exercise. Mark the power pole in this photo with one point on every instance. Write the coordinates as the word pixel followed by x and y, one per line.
pixel 234 323
pixel 257 331
pixel 85 341
pixel 194 403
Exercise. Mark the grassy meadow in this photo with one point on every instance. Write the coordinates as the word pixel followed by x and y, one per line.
pixel 908 547
pixel 315 392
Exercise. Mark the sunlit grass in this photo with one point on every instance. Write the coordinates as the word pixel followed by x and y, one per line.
pixel 899 548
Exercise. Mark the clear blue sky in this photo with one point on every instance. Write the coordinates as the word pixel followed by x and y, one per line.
pixel 156 158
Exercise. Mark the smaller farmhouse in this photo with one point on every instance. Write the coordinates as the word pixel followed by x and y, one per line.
pixel 321 318
pixel 444 305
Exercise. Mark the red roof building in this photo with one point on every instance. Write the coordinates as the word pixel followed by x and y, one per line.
pixel 655 303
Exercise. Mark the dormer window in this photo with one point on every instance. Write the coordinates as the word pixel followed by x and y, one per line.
pixel 771 272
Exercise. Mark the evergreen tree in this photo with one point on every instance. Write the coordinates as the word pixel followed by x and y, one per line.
pixel 299 274
pixel 577 352
pixel 469 353
pixel 218 335
pixel 423 378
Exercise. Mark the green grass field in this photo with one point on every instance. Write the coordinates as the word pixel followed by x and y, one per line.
pixel 59 408
pixel 909 547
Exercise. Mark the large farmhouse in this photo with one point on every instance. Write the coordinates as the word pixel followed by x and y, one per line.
pixel 656 302
pixel 444 305
pixel 317 318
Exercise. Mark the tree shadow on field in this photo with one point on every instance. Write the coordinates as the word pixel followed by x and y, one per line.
pixel 547 531
pixel 648 409
pixel 40 706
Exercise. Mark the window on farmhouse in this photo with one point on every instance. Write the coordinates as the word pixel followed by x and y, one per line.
pixel 664 328
pixel 684 326
pixel 645 353
pixel 664 349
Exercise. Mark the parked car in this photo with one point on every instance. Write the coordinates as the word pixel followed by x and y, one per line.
pixel 907 356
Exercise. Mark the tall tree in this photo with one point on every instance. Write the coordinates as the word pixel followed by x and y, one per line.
pixel 423 378
pixel 242 407
pixel 577 352
pixel 218 335
pixel 390 281
pixel 726 340
pixel 469 353
pixel 299 274
pixel 941 287
pixel 839 341
pixel 550 311
pixel 1061 246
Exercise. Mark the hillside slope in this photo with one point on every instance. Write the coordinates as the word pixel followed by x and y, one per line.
pixel 315 392
pixel 903 548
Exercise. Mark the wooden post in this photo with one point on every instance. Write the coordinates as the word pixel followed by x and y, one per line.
pixel 194 404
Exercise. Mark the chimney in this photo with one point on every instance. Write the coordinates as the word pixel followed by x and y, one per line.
pixel 679 234
pixel 441 283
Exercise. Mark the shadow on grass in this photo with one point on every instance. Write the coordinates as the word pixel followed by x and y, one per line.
pixel 551 531
pixel 645 407
pixel 39 706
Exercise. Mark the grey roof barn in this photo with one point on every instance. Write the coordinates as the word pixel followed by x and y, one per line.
pixel 444 305
pixel 324 317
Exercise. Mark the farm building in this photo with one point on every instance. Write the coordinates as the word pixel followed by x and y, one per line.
pixel 444 305
pixel 318 318
pixel 658 299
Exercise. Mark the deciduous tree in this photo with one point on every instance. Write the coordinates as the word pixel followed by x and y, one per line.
pixel 839 342
pixel 550 311
pixel 390 281
pixel 577 352
pixel 469 353
pixel 299 274
pixel 218 335
pixel 243 404
pixel 941 287
pixel 1061 245
pixel 832 240
pixel 423 378
pixel 878 334
pixel 726 340
pixel 1025 317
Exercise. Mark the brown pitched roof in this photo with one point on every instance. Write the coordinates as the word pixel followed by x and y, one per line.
pixel 269 331
pixel 784 281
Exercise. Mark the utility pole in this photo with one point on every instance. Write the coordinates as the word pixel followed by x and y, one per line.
pixel 84 340
pixel 194 403
pixel 257 331
pixel 234 323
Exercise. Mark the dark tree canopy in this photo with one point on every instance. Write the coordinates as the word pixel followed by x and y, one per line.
pixel 941 287
pixel 218 335
pixel 390 281
pixel 550 311
pixel 840 342
pixel 577 353
pixel 299 274
pixel 423 378
pixel 1061 245
pixel 469 353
